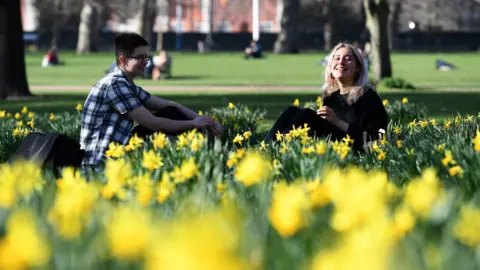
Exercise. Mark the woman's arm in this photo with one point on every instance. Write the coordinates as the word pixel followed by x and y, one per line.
pixel 329 114
pixel 373 118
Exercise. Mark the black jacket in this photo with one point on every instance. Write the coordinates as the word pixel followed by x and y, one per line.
pixel 365 117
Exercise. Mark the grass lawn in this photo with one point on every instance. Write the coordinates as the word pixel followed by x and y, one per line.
pixel 440 103
pixel 232 69
pixel 358 217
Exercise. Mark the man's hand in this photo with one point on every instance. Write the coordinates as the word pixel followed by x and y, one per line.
pixel 203 121
pixel 216 129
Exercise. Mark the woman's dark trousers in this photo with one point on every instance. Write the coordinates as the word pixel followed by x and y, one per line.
pixel 169 112
pixel 295 116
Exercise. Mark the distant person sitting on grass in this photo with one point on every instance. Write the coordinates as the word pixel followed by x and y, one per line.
pixel 51 58
pixel 350 106
pixel 161 65
pixel 115 103
pixel 254 50
pixel 443 65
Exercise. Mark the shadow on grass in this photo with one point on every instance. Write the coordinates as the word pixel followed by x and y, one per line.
pixel 179 78
pixel 439 104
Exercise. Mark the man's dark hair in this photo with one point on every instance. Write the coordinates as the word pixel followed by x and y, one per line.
pixel 126 43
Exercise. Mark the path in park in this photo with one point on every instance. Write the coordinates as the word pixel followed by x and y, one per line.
pixel 185 88
pixel 226 88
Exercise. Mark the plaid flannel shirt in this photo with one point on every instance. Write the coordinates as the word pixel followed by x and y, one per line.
pixel 103 115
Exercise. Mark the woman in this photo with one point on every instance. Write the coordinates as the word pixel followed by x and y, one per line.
pixel 350 106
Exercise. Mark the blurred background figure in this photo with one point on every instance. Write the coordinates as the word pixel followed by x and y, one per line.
pixel 51 58
pixel 443 65
pixel 254 50
pixel 161 68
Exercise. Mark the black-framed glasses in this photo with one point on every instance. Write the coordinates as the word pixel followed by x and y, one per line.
pixel 141 57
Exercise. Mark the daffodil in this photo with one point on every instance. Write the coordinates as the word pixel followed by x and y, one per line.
pixel 288 213
pixel 296 102
pixel 321 147
pixel 115 150
pixel 73 205
pixel 467 228
pixel 23 245
pixel 422 192
pixel 152 160
pixel 456 170
pixel 399 143
pixel 319 102
pixel 160 140
pixel 448 159
pixel 208 241
pixel 252 169
pixel 476 141
pixel 165 188
pixel 247 134
pixel 128 233
pixel 238 139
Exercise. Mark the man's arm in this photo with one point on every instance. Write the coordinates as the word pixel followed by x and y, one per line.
pixel 155 103
pixel 146 119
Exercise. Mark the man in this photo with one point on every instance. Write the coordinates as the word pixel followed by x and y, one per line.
pixel 115 103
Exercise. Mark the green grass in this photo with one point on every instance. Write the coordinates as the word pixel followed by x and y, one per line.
pixel 396 215
pixel 439 103
pixel 232 69
pixel 432 236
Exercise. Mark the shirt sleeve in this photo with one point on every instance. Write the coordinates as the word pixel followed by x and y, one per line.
pixel 121 97
pixel 373 119
pixel 143 95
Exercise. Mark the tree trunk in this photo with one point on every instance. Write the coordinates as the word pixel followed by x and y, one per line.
pixel 13 79
pixel 211 26
pixel 377 12
pixel 159 46
pixel 163 7
pixel 142 18
pixel 57 5
pixel 327 27
pixel 287 40
pixel 149 23
pixel 395 23
pixel 87 28
pixel 55 35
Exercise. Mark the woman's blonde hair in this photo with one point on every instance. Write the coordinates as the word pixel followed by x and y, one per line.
pixel 361 77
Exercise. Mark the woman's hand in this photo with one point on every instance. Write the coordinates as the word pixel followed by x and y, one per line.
pixel 328 114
